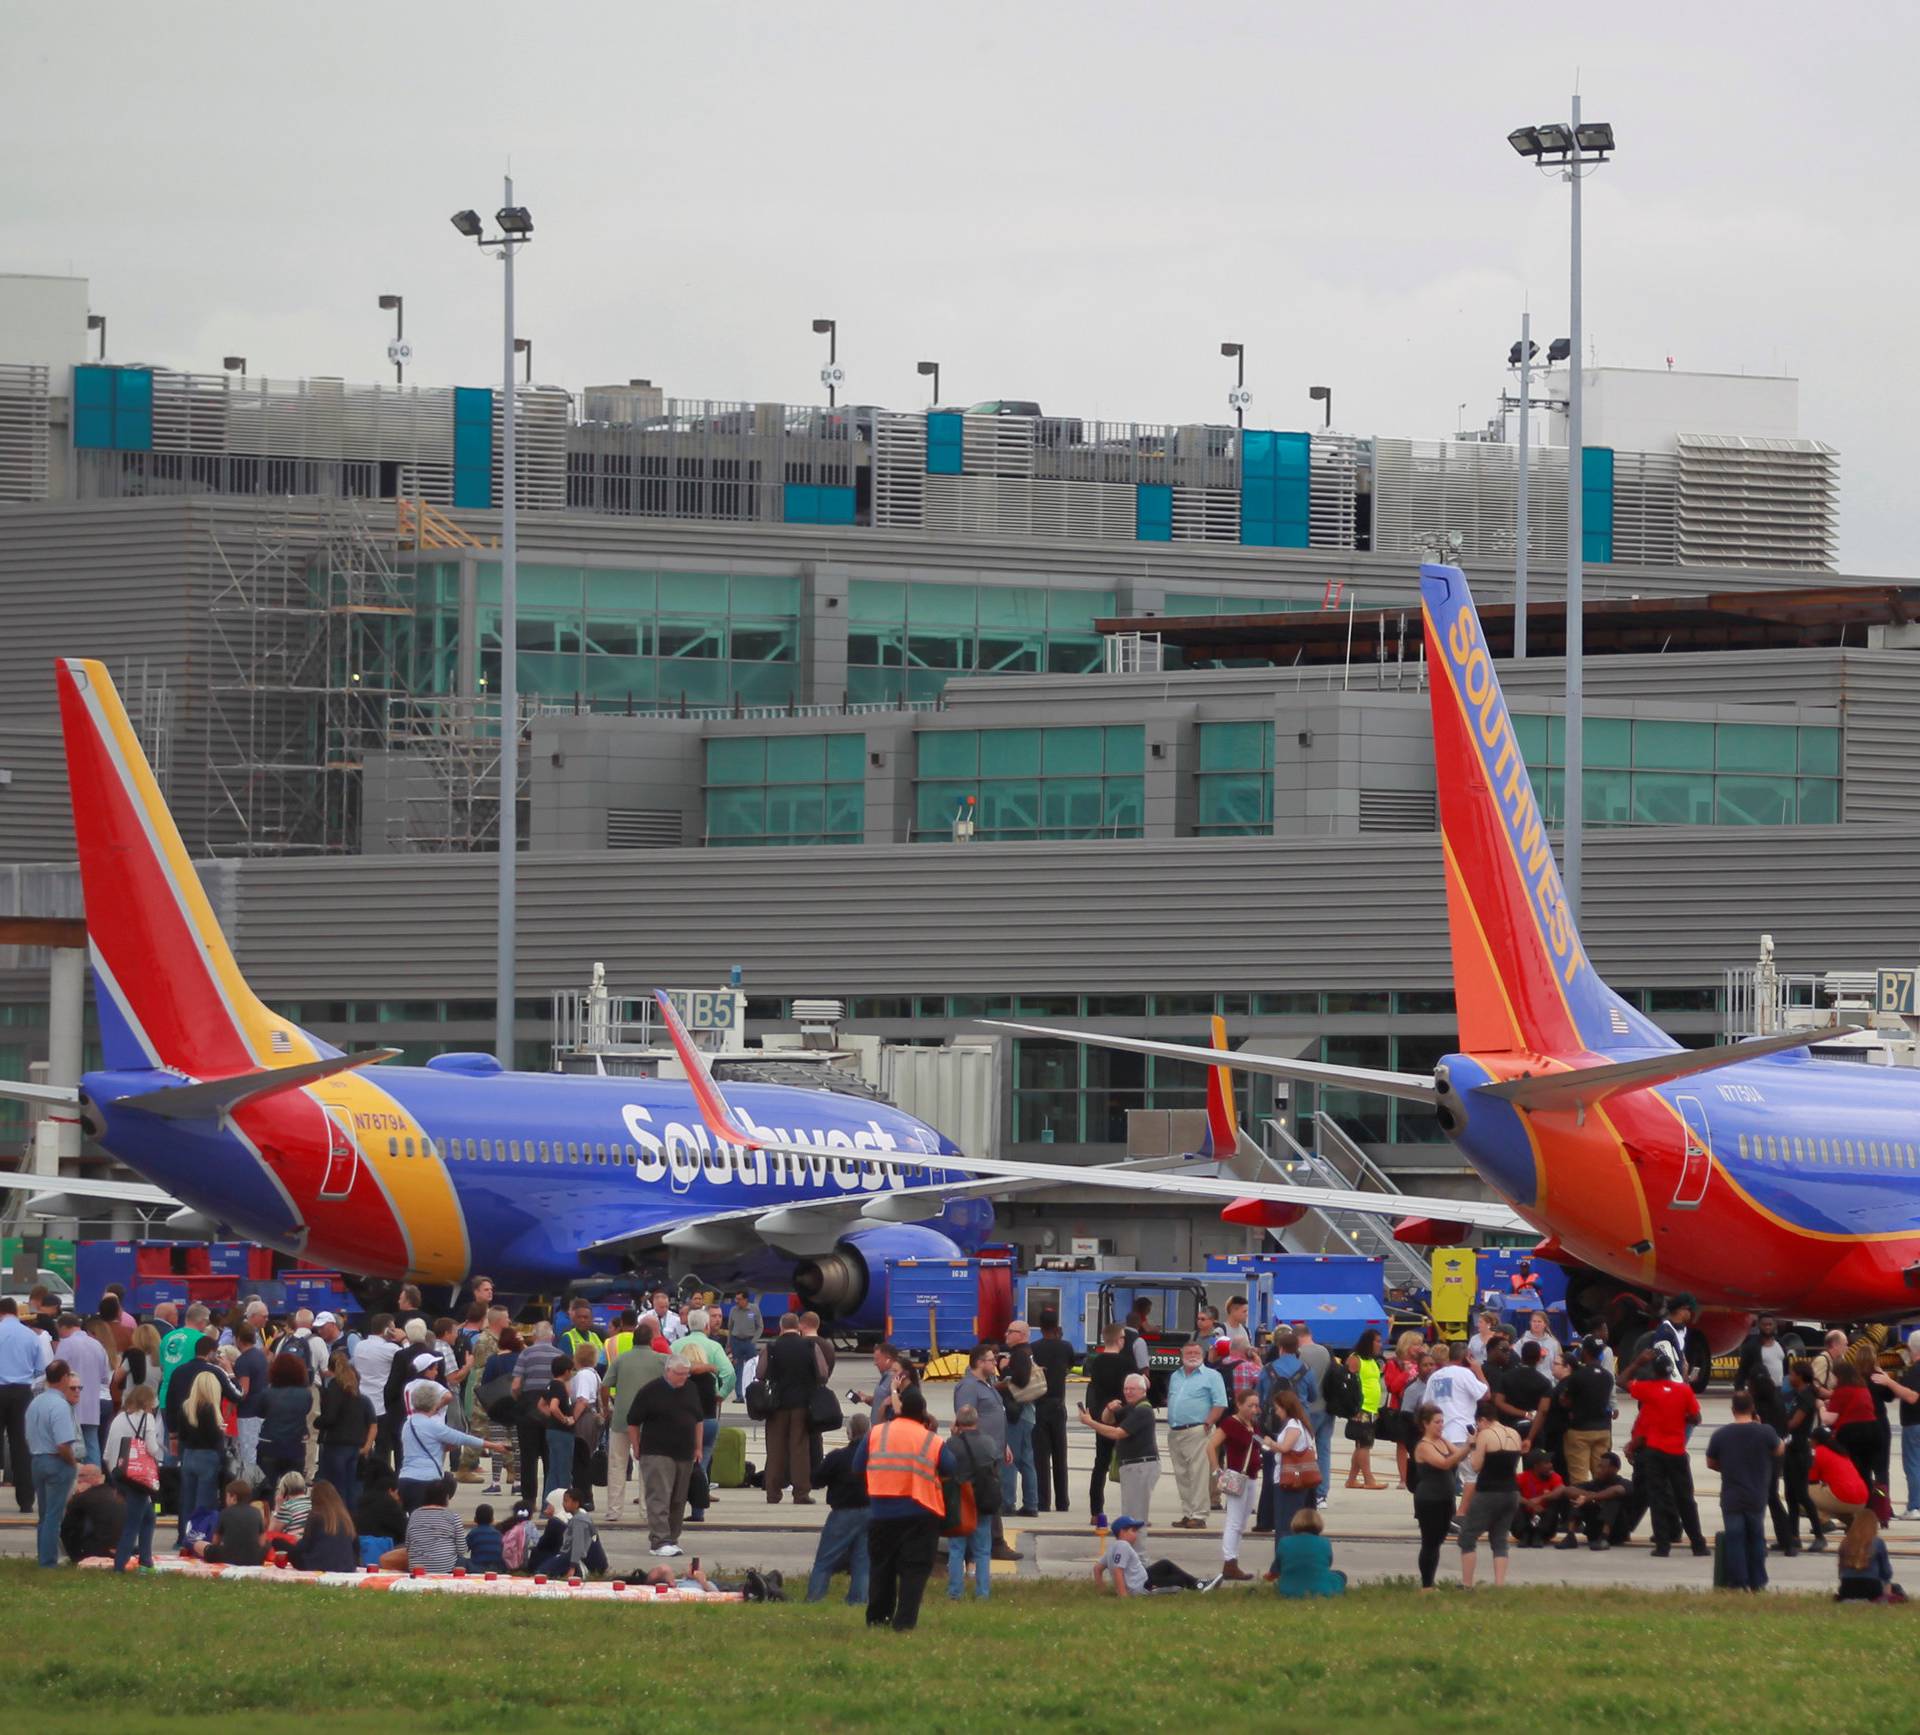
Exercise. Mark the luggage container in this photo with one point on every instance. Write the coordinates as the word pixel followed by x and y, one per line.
pixel 937 1306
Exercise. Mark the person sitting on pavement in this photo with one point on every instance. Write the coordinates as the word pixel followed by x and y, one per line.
pixel 1603 1510
pixel 1543 1502
pixel 433 1535
pixel 94 1518
pixel 484 1542
pixel 328 1543
pixel 1305 1559
pixel 1120 1565
pixel 569 1545
pixel 240 1531
pixel 1866 1574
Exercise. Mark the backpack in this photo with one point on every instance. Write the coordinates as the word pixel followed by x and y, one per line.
pixel 759 1400
pixel 513 1545
pixel 1342 1390
pixel 986 1487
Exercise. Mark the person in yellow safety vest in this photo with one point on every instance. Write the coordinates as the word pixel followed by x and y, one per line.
pixel 581 1331
pixel 619 1342
pixel 904 1462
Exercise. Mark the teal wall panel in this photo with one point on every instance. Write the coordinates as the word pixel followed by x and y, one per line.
pixel 1596 504
pixel 1275 489
pixel 472 446
pixel 946 432
pixel 1153 512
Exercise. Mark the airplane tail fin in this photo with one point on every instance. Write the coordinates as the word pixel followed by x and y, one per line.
pixel 1223 1122
pixel 1522 979
pixel 167 988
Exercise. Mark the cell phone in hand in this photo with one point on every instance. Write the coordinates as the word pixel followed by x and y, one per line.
pixel 696 1563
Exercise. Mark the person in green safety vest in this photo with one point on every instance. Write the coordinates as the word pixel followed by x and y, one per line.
pixel 581 1331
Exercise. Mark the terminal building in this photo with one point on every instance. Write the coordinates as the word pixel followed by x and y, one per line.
pixel 946 715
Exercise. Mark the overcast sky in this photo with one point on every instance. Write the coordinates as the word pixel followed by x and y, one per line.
pixel 1057 200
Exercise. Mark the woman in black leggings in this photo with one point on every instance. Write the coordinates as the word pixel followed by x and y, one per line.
pixel 1434 1463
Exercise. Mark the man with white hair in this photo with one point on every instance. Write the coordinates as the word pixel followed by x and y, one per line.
pixel 1129 1423
pixel 425 1436
pixel 663 1432
pixel 541 1362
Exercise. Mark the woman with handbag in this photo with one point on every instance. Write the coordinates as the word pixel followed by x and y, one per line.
pixel 1367 1366
pixel 133 1451
pixel 1296 1468
pixel 1233 1451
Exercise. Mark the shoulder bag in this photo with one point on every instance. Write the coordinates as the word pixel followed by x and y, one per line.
pixel 1300 1470
pixel 137 1464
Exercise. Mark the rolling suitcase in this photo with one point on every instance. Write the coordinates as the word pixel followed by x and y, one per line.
pixel 729 1459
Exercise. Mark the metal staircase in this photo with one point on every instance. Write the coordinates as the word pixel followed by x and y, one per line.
pixel 1337 1161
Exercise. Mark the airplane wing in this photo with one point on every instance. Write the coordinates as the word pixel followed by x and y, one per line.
pixel 71 1187
pixel 723 1124
pixel 1413 1086
pixel 814 1226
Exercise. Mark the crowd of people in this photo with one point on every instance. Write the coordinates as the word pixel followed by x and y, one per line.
pixel 306 1442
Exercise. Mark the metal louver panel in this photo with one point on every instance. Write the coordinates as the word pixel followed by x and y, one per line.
pixel 1206 515
pixel 644 828
pixel 1331 480
pixel 1770 503
pixel 1646 505
pixel 1433 489
pixel 1021 506
pixel 541 459
pixel 24 436
pixel 1397 810
pixel 997 445
pixel 899 471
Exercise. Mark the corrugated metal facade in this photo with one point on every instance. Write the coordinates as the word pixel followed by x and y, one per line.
pixel 1233 914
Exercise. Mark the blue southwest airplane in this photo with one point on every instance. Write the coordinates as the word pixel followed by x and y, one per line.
pixel 1751 1174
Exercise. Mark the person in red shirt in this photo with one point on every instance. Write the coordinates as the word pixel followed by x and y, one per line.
pixel 1668 1410
pixel 1834 1483
pixel 1543 1502
pixel 1848 1410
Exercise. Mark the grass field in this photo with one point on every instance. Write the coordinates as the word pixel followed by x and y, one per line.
pixel 85 1652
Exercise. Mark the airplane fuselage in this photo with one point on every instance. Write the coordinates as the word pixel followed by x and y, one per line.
pixel 435 1173
pixel 1786 1183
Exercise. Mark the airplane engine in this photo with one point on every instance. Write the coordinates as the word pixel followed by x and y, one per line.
pixel 849 1285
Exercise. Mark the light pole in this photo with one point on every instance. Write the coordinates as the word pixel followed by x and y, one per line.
pixel 397 351
pixel 98 322
pixel 1572 150
pixel 931 367
pixel 830 374
pixel 516 230
pixel 1322 395
pixel 1239 397
pixel 524 346
pixel 1521 355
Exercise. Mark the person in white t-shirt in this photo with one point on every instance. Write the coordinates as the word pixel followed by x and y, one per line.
pixel 1455 1391
pixel 672 1326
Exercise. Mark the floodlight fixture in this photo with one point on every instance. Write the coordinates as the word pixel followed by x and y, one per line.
pixel 1555 140
pixel 98 322
pixel 468 223
pixel 1525 140
pixel 1560 349
pixel 235 364
pixel 514 220
pixel 1595 137
pixel 823 326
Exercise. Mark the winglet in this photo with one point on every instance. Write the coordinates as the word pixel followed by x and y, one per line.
pixel 1223 1125
pixel 714 1109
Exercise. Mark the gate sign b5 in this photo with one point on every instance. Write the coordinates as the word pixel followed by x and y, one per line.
pixel 1896 993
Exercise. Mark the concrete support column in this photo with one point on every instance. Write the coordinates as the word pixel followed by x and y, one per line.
pixel 57 1136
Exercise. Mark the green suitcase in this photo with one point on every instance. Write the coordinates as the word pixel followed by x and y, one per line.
pixel 729 1459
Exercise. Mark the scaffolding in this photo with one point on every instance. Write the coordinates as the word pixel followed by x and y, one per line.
pixel 310 631
pixel 444 759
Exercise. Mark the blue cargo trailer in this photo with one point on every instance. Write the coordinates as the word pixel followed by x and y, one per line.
pixel 1340 1295
pixel 937 1306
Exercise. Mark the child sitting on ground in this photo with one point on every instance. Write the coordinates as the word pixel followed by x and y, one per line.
pixel 1122 1566
pixel 569 1546
pixel 1306 1559
pixel 239 1533
pixel 485 1545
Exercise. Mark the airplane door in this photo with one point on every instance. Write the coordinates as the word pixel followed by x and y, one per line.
pixel 1696 1167
pixel 343 1155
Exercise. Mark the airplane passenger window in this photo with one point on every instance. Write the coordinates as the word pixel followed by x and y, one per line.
pixel 393 1146
pixel 573 1153
pixel 1743 1136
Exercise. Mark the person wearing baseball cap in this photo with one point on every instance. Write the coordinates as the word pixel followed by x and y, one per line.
pixel 1121 1565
